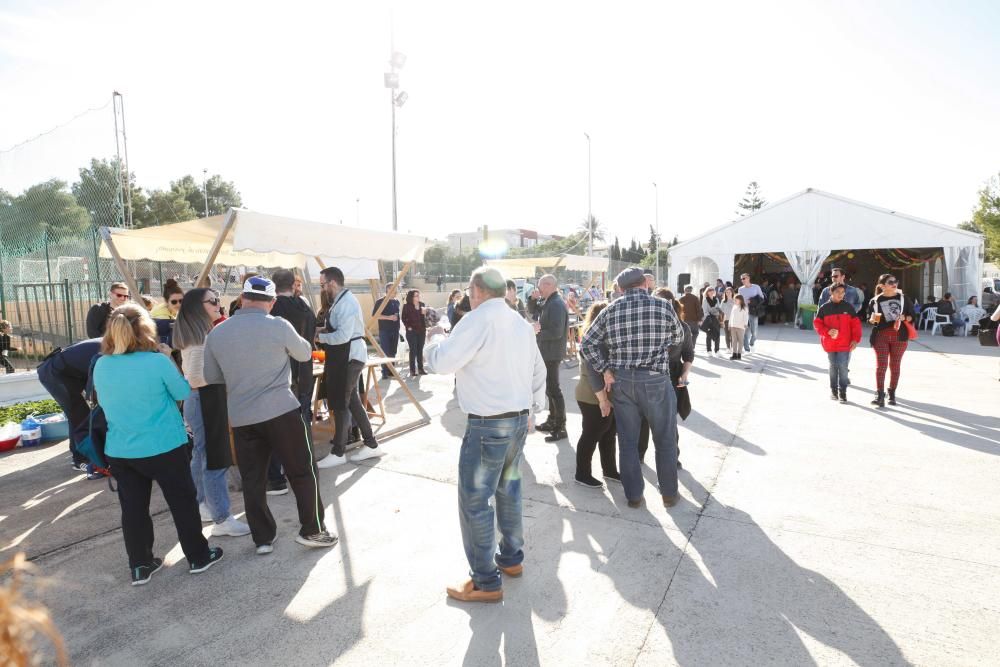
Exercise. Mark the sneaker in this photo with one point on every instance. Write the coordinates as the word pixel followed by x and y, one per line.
pixel 214 556
pixel 613 477
pixel 277 488
pixel 331 461
pixel 143 573
pixel 81 466
pixel 266 548
pixel 94 473
pixel 365 453
pixel 589 482
pixel 833 395
pixel 231 527
pixel 545 426
pixel 206 514
pixel 751 350
pixel 323 540
pixel 557 435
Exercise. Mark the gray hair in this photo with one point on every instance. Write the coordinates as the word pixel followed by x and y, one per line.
pixel 489 280
pixel 548 278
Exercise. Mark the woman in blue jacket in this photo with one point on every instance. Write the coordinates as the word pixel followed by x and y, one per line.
pixel 138 386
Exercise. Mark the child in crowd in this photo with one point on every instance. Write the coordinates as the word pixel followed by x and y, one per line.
pixel 839 331
pixel 5 346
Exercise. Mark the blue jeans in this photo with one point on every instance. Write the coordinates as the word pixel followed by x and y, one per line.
pixel 209 484
pixel 750 335
pixel 838 369
pixel 389 342
pixel 639 394
pixel 489 468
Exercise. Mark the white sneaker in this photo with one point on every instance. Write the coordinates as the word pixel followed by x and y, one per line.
pixel 751 349
pixel 231 527
pixel 323 540
pixel 206 514
pixel 331 461
pixel 364 453
pixel 264 549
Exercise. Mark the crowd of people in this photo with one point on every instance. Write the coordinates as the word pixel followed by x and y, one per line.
pixel 252 373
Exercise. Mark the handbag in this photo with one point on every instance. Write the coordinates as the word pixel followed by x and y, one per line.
pixel 911 331
pixel 708 324
pixel 988 333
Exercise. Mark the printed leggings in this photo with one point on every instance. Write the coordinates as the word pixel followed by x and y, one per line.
pixel 888 355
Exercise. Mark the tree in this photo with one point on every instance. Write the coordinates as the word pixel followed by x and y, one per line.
pixel 47 208
pixel 222 195
pixel 751 202
pixel 654 241
pixel 986 217
pixel 615 251
pixel 165 207
pixel 98 191
pixel 593 224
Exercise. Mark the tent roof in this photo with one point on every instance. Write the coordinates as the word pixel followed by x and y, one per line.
pixel 265 240
pixel 525 266
pixel 815 219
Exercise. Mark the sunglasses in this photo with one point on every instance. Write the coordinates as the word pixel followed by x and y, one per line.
pixel 891 282
pixel 214 302
pixel 119 295
pixel 174 302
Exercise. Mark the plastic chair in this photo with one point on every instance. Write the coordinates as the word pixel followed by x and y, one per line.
pixel 927 316
pixel 938 322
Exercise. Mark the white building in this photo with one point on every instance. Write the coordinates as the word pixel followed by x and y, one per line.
pixel 464 242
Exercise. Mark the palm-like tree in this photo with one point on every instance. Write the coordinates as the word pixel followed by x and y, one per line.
pixel 593 225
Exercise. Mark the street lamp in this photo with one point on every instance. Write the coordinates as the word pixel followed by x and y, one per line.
pixel 204 185
pixel 396 62
pixel 656 194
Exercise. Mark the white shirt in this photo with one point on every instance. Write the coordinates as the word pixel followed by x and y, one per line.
pixel 739 318
pixel 495 358
pixel 347 324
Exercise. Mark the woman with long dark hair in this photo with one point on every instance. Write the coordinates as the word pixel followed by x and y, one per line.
pixel 726 305
pixel 453 299
pixel 172 297
pixel 416 330
pixel 137 387
pixel 205 413
pixel 711 306
pixel 599 430
pixel 890 309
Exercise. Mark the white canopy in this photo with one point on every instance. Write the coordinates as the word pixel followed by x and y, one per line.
pixel 813 223
pixel 266 240
pixel 526 266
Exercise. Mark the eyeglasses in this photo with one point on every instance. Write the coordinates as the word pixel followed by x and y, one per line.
pixel 119 295
pixel 174 302
pixel 891 282
pixel 214 302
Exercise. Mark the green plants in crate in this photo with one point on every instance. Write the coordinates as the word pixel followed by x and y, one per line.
pixel 19 411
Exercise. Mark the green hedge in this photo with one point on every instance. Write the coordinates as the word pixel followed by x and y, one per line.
pixel 18 412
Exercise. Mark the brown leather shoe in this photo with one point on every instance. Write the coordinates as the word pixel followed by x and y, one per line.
pixel 513 570
pixel 468 592
pixel 635 504
pixel 670 501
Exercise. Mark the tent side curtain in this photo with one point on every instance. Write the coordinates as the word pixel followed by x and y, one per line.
pixel 963 268
pixel 702 269
pixel 806 264
pixel 265 233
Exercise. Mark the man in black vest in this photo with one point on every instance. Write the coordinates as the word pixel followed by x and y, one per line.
pixel 551 330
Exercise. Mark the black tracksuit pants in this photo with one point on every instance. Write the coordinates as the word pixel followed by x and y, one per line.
pixel 172 473
pixel 255 444
pixel 68 393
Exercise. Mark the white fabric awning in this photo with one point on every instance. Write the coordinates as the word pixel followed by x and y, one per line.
pixel 520 267
pixel 268 241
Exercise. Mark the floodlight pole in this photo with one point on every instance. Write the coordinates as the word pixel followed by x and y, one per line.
pixel 204 186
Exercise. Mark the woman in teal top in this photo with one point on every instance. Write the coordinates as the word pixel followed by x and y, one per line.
pixel 138 388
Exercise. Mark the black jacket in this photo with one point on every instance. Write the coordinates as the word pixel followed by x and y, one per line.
pixel 73 362
pixel 298 313
pixel 555 324
pixel 97 319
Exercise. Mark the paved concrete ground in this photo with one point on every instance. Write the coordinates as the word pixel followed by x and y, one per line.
pixel 809 533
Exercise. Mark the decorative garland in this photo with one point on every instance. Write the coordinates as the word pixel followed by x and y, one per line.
pixel 891 258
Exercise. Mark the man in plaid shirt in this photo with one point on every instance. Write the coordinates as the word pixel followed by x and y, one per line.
pixel 628 343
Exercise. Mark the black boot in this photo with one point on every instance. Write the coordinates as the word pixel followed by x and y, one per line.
pixel 546 426
pixel 879 399
pixel 843 395
pixel 833 394
pixel 892 397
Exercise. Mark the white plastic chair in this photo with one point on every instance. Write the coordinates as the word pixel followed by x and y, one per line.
pixel 927 316
pixel 938 322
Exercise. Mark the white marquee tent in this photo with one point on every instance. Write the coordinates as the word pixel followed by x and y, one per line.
pixel 808 226
pixel 521 267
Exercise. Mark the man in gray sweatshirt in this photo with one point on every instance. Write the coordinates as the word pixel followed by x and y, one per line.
pixel 249 353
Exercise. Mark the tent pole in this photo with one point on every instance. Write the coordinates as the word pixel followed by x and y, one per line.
pixel 227 224
pixel 395 374
pixel 121 264
pixel 322 264
pixel 388 295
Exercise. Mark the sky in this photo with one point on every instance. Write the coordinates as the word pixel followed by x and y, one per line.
pixel 892 103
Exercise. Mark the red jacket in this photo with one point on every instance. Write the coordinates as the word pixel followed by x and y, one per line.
pixel 842 317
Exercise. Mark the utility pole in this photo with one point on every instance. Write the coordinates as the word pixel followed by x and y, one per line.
pixel 590 212
pixel 396 62
pixel 204 186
